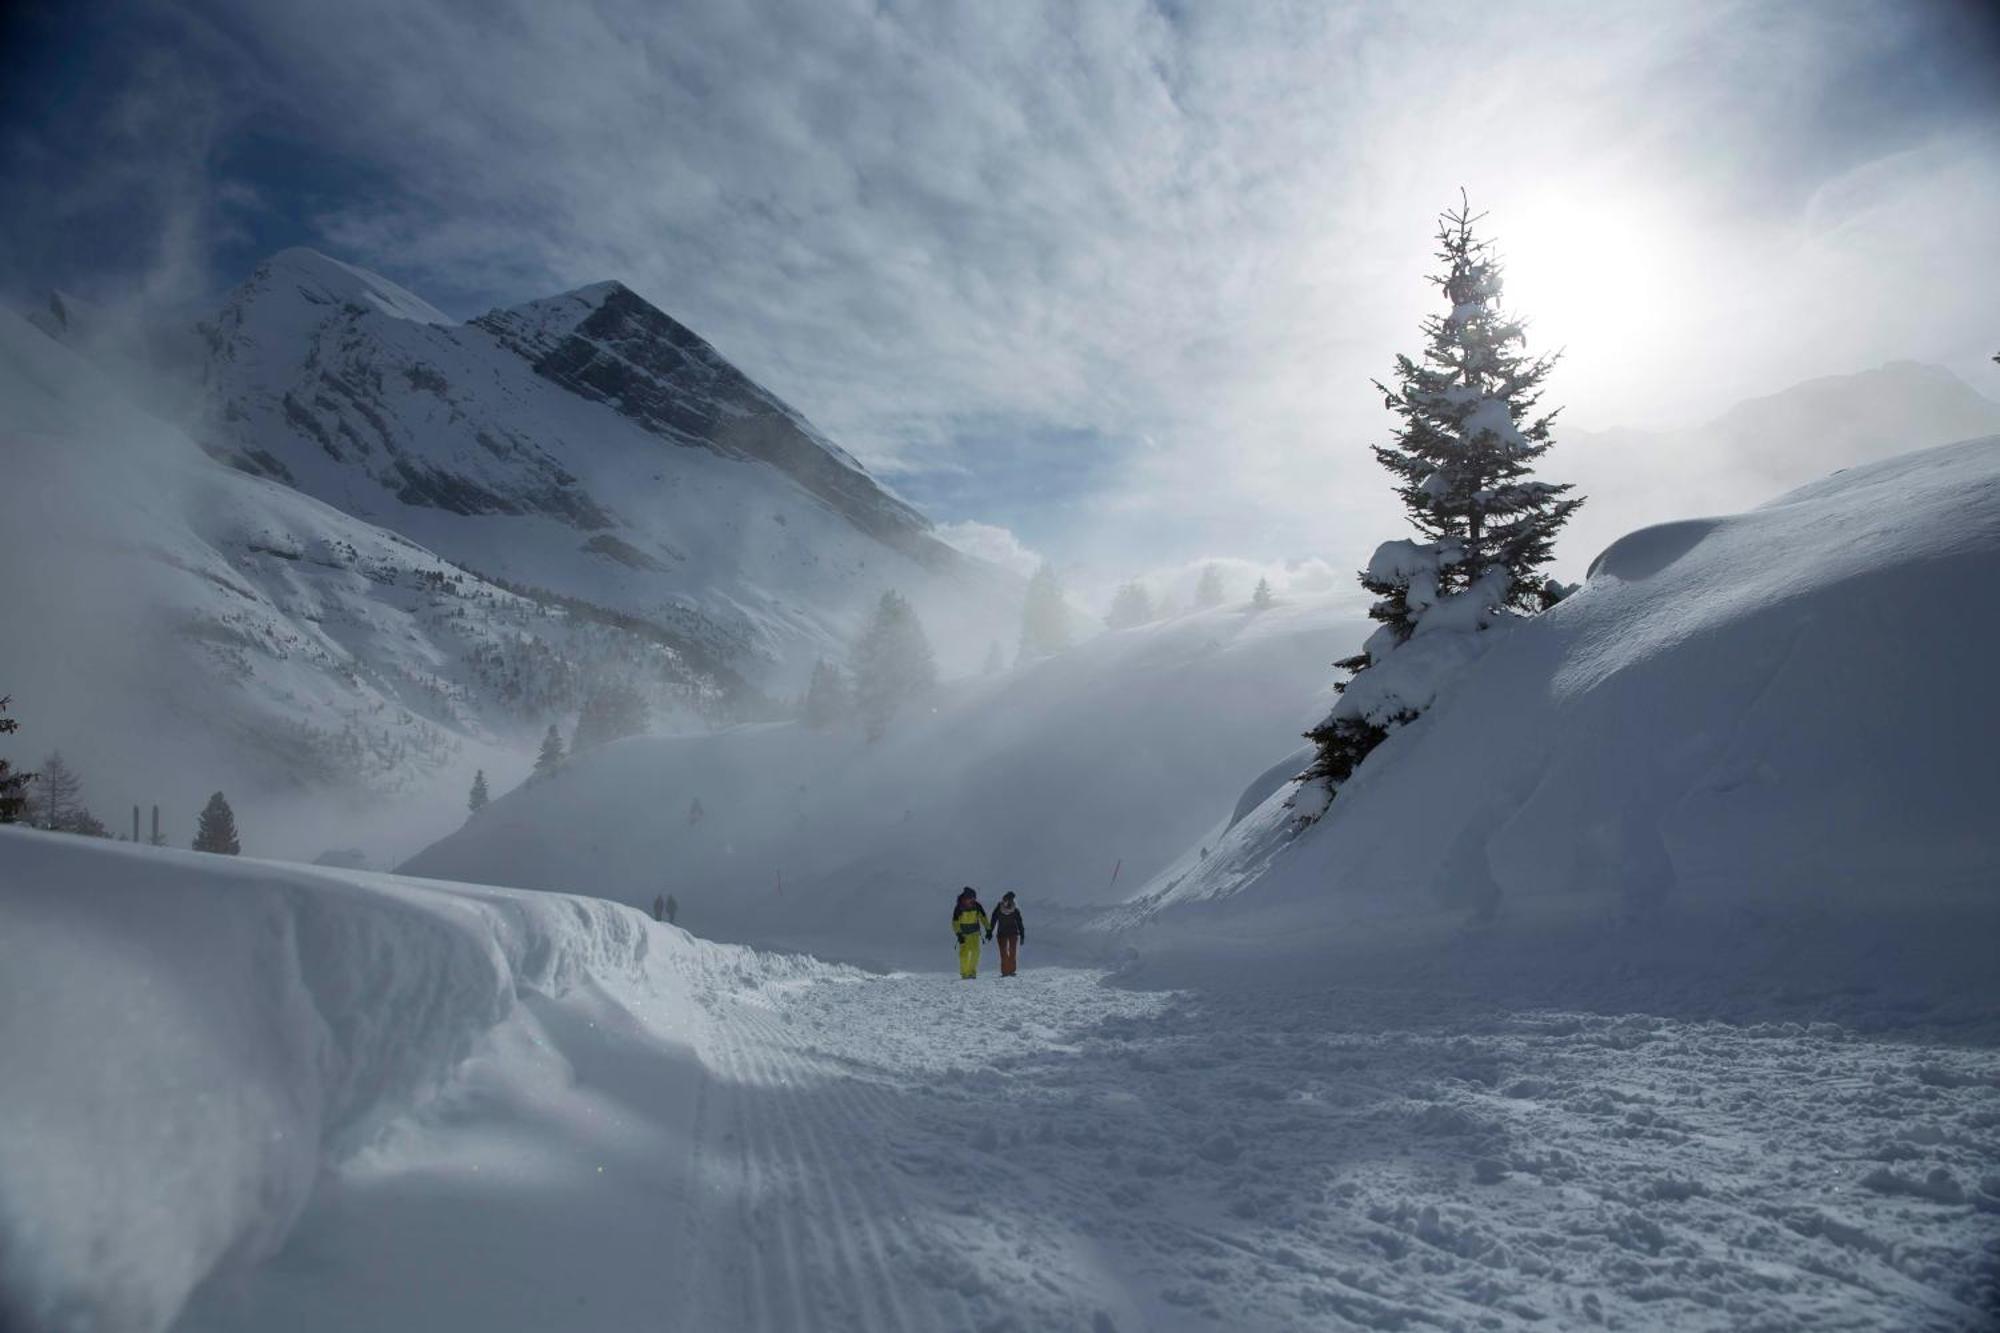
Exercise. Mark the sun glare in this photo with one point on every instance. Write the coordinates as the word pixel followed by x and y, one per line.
pixel 1584 273
pixel 1610 282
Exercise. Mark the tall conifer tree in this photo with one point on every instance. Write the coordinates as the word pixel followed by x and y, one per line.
pixel 215 830
pixel 893 664
pixel 828 699
pixel 1469 432
pixel 13 786
pixel 551 757
pixel 1044 616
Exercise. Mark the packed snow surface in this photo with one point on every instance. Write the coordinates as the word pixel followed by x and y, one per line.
pixel 244 1096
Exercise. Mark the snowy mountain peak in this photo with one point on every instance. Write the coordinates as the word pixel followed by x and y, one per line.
pixel 321 280
pixel 585 443
pixel 608 344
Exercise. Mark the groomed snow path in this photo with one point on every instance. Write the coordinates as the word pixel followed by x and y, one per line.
pixel 1053 1152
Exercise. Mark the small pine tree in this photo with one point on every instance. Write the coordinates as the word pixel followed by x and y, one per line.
pixel 1132 606
pixel 828 700
pixel 477 800
pixel 1208 591
pixel 1465 444
pixel 614 710
pixel 1044 615
pixel 1261 599
pixel 13 786
pixel 551 757
pixel 215 831
pixel 893 664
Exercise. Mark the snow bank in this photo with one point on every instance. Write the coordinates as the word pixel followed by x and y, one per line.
pixel 189 1040
pixel 1783 716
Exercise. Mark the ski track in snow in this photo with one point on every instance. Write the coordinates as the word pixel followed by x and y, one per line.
pixel 911 1152
pixel 1053 1152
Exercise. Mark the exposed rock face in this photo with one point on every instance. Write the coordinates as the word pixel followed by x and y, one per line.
pixel 607 344
pixel 587 444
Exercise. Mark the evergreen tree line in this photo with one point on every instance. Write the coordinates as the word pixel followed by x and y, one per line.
pixel 51 798
pixel 612 710
pixel 889 668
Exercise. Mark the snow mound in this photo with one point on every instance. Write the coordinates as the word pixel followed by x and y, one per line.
pixel 1778 717
pixel 1646 552
pixel 191 1040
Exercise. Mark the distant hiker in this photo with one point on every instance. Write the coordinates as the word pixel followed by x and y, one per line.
pixel 659 908
pixel 673 909
pixel 968 920
pixel 1011 930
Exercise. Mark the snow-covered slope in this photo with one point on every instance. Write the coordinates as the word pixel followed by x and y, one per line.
pixel 585 443
pixel 176 626
pixel 1760 447
pixel 1045 779
pixel 242 1097
pixel 1744 725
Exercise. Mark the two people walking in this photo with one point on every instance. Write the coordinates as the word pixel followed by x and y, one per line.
pixel 969 921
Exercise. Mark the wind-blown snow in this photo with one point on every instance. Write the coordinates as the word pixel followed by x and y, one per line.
pixel 320 280
pixel 1050 779
pixel 173 623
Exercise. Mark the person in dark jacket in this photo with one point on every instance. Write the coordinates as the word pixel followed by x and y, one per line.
pixel 968 919
pixel 1008 927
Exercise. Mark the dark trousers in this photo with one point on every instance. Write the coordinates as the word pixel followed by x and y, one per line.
pixel 1010 948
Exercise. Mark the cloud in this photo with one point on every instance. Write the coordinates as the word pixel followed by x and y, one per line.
pixel 1123 271
pixel 992 543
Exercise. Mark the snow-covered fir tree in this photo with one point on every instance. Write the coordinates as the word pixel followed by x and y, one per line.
pixel 828 700
pixel 13 785
pixel 1470 430
pixel 893 664
pixel 1044 615
pixel 613 711
pixel 215 830
pixel 1260 599
pixel 477 800
pixel 1208 590
pixel 1131 605
pixel 551 757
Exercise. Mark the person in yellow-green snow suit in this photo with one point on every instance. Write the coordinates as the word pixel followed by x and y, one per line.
pixel 968 923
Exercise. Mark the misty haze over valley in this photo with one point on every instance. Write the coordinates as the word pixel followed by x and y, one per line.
pixel 572 579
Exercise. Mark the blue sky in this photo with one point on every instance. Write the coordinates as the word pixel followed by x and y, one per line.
pixel 1113 276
